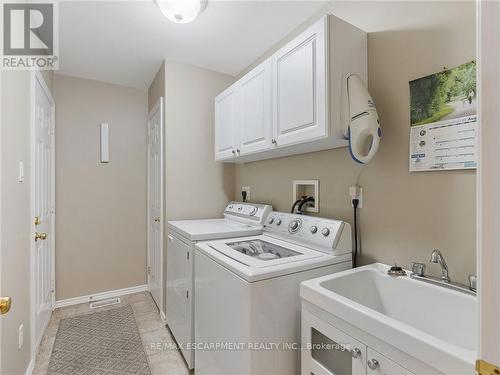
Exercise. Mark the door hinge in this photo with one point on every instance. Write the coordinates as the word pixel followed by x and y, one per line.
pixel 187 294
pixel 149 270
pixel 187 255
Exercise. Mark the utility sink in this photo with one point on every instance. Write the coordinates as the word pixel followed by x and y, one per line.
pixel 432 324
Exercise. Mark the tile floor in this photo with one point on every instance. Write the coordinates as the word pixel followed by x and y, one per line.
pixel 163 361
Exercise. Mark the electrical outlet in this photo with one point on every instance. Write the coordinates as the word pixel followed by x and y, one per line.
pixel 356 192
pixel 21 336
pixel 247 189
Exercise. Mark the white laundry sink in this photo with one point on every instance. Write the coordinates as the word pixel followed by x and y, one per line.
pixel 432 324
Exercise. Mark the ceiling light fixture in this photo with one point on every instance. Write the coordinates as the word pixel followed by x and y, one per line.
pixel 181 11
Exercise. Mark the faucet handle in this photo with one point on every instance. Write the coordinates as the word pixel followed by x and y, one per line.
pixel 473 283
pixel 418 269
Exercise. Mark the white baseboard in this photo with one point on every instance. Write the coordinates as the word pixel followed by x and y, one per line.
pixel 102 295
pixel 30 368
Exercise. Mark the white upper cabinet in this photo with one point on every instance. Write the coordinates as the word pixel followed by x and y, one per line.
pixel 299 81
pixel 291 103
pixel 254 110
pixel 225 124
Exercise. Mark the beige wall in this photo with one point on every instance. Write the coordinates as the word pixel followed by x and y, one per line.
pixel 196 186
pixel 101 208
pixel 157 88
pixel 15 217
pixel 404 215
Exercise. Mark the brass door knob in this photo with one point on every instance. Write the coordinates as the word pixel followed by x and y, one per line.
pixel 40 236
pixel 5 303
pixel 37 220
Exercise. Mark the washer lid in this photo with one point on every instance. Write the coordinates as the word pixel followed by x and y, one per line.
pixel 253 269
pixel 263 251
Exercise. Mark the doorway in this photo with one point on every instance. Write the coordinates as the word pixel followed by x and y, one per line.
pixel 155 203
pixel 42 207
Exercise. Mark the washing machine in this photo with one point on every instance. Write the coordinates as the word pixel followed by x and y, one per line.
pixel 247 302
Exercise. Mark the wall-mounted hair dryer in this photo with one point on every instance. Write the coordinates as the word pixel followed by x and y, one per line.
pixel 361 125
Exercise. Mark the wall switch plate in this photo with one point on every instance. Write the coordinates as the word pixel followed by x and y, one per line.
pixel 21 336
pixel 247 189
pixel 21 172
pixel 356 192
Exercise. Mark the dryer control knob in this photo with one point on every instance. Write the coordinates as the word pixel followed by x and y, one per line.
pixel 254 211
pixel 294 225
pixel 278 222
pixel 313 229
pixel 270 220
pixel 325 232
pixel 240 208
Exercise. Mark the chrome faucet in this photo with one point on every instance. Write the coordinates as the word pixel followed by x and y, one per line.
pixel 437 257
pixel 418 273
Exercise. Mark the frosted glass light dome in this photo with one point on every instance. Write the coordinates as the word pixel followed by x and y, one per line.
pixel 181 11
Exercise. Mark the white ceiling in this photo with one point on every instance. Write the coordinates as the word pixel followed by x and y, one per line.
pixel 124 42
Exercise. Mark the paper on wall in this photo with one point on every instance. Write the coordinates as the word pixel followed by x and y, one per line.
pixel 443 128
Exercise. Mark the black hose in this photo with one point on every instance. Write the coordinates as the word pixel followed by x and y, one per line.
pixel 295 204
pixel 304 201
pixel 355 252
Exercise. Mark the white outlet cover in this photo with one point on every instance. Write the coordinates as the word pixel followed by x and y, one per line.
pixel 21 336
pixel 360 198
pixel 247 189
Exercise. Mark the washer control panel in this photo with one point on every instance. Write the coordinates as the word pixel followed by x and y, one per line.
pixel 313 232
pixel 252 212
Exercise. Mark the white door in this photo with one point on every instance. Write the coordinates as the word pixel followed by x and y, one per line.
pixel 155 202
pixel 299 87
pixel 42 187
pixel 179 294
pixel 254 109
pixel 225 124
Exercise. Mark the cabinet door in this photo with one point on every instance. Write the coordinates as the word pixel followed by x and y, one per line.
pixel 179 293
pixel 300 87
pixel 254 109
pixel 329 351
pixel 377 364
pixel 225 124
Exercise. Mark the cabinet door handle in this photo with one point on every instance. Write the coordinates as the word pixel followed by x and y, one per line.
pixel 356 353
pixel 273 141
pixel 373 364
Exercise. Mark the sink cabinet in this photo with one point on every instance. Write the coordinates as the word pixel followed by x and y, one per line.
pixel 328 350
pixel 400 325
pixel 291 103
